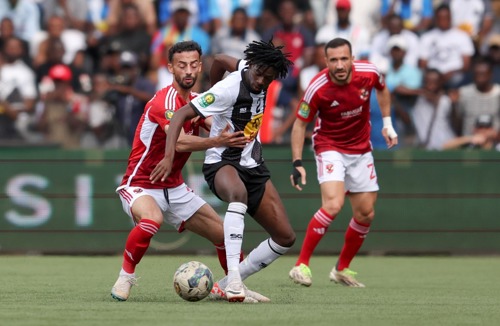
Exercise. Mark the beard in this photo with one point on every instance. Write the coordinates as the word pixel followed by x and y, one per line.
pixel 342 80
pixel 187 85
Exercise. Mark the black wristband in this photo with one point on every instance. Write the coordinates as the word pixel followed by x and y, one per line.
pixel 297 163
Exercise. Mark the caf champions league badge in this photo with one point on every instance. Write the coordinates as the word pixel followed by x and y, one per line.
pixel 169 114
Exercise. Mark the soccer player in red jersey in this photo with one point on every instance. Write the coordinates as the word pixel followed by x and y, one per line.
pixel 339 98
pixel 170 200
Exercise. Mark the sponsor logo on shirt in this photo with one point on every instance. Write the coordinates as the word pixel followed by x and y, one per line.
pixel 348 114
pixel 206 100
pixel 169 114
pixel 304 110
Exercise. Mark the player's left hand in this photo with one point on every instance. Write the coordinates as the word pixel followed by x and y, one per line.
pixel 161 171
pixel 390 136
pixel 233 139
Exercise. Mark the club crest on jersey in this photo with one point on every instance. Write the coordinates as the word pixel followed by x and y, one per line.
pixel 169 114
pixel 364 94
pixel 304 110
pixel 206 100
pixel 329 168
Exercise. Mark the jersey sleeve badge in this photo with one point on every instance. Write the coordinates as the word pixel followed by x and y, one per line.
pixel 304 110
pixel 206 100
pixel 169 114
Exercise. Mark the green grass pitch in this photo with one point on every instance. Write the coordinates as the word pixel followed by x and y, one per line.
pixel 63 290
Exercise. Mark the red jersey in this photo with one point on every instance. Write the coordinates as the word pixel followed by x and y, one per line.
pixel 343 111
pixel 148 148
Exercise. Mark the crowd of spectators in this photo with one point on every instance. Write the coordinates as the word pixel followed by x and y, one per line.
pixel 78 73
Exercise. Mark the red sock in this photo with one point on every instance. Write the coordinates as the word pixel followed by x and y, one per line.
pixel 221 254
pixel 354 237
pixel 315 231
pixel 137 243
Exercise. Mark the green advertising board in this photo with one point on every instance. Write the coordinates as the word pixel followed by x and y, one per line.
pixel 55 201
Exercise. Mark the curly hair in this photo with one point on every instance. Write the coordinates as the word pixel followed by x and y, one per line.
pixel 266 54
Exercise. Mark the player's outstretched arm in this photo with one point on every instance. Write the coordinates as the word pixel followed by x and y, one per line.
pixel 384 101
pixel 297 139
pixel 191 143
pixel 164 167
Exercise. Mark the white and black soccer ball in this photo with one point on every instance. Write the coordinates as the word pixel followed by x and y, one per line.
pixel 193 281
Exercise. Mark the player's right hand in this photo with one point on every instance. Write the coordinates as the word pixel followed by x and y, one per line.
pixel 161 171
pixel 298 173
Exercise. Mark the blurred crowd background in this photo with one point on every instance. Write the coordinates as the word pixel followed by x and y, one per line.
pixel 76 74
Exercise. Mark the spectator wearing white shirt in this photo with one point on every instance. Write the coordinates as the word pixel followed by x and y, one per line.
pixel 17 92
pixel 25 15
pixel 446 48
pixel 379 53
pixel 233 39
pixel 432 113
pixel 475 17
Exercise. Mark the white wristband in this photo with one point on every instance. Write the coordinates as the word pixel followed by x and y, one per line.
pixel 387 121
pixel 388 126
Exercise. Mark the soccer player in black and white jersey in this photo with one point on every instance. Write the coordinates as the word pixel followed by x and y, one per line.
pixel 239 176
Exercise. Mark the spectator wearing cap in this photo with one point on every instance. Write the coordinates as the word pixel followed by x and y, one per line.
pixel 17 92
pixel 64 113
pixel 484 136
pixel 129 92
pixel 446 48
pixel 177 29
pixel 404 82
pixel 478 98
pixel 379 51
pixel 55 54
pixel 345 28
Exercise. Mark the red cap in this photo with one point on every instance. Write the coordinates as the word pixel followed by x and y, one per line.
pixel 343 4
pixel 60 72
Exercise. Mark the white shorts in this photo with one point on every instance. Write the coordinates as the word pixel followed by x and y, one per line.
pixel 356 171
pixel 177 204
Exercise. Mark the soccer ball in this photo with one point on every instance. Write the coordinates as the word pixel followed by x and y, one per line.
pixel 193 281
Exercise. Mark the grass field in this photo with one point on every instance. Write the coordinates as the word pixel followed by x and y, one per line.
pixel 55 290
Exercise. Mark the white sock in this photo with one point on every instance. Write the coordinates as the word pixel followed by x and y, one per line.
pixel 234 226
pixel 259 258
pixel 123 273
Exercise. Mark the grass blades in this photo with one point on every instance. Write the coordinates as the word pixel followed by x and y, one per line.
pixel 65 290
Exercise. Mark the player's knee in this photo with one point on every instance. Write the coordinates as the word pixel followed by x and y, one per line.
pixel 286 239
pixel 365 217
pixel 333 207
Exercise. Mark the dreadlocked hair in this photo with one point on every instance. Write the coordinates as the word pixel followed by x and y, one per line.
pixel 260 53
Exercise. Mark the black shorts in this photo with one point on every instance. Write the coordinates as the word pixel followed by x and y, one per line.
pixel 254 179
